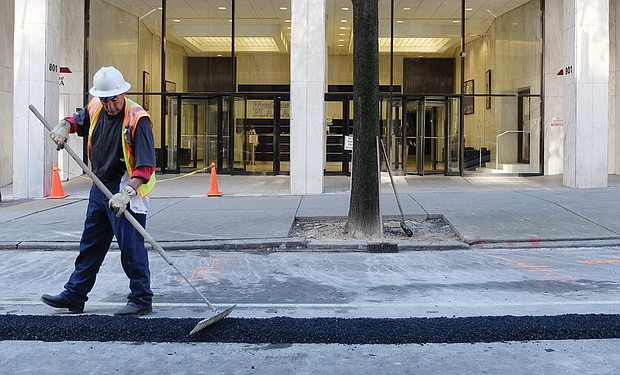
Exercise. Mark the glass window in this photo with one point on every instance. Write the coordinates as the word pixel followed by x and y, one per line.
pixel 504 62
pixel 419 59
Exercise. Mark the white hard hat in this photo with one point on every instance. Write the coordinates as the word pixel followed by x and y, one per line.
pixel 108 81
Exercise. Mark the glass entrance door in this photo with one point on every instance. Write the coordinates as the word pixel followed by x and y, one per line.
pixel 414 114
pixel 199 134
pixel 259 140
pixel 194 138
pixel 266 135
pixel 433 137
pixel 338 128
pixel 394 133
pixel 425 136
pixel 210 137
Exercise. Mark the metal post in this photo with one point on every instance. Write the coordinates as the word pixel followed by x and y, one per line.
pixel 462 114
pixel 162 114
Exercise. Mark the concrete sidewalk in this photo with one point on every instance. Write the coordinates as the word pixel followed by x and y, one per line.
pixel 259 211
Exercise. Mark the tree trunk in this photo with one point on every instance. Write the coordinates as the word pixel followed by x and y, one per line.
pixel 364 218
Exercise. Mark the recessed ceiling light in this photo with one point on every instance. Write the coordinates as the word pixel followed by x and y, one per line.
pixel 341 40
pixel 342 28
pixel 469 9
pixel 344 8
pixel 400 21
pixel 341 45
pixel 406 8
pixel 287 21
pixel 343 21
pixel 283 8
pixel 342 34
pixel 176 21
pixel 221 8
pixel 456 21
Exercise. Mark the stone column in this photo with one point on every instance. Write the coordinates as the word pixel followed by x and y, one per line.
pixel 37 29
pixel 308 59
pixel 71 78
pixel 554 88
pixel 586 93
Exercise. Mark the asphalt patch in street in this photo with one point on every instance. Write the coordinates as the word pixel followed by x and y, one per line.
pixel 280 330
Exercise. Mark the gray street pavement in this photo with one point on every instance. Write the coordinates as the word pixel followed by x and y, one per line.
pixel 590 357
pixel 529 247
pixel 456 283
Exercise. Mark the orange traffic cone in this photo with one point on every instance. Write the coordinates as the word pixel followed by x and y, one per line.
pixel 57 192
pixel 214 190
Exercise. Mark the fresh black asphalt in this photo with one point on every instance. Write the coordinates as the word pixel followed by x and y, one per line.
pixel 283 330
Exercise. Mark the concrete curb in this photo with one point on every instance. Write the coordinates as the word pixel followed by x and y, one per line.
pixel 301 244
pixel 42 246
pixel 548 244
pixel 270 244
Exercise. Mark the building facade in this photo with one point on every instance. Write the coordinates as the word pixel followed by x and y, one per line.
pixel 509 87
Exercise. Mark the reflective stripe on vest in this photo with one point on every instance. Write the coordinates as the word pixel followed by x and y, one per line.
pixel 133 113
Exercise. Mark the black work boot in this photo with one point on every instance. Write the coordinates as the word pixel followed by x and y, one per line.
pixel 61 301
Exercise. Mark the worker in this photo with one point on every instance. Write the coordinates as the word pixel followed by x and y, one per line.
pixel 122 154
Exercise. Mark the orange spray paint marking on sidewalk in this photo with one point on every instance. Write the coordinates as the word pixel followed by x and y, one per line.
pixel 206 272
pixel 599 261
pixel 215 268
pixel 548 272
pixel 478 245
pixel 196 281
pixel 535 268
pixel 554 277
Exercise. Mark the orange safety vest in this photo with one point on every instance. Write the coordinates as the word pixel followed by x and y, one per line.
pixel 133 113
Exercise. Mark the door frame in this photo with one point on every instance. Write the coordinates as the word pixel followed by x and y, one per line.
pixel 523 135
pixel 422 104
pixel 428 107
pixel 173 124
pixel 345 101
pixel 276 127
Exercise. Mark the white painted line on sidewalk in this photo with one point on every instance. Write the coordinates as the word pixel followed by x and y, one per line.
pixel 392 304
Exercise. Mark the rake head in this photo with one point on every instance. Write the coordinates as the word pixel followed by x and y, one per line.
pixel 407 230
pixel 212 320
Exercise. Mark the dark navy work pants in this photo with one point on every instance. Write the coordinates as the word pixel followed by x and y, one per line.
pixel 100 227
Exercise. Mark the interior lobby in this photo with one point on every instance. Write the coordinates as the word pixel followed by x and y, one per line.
pixel 467 87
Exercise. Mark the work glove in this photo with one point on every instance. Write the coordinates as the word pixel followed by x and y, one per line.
pixel 60 133
pixel 119 201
